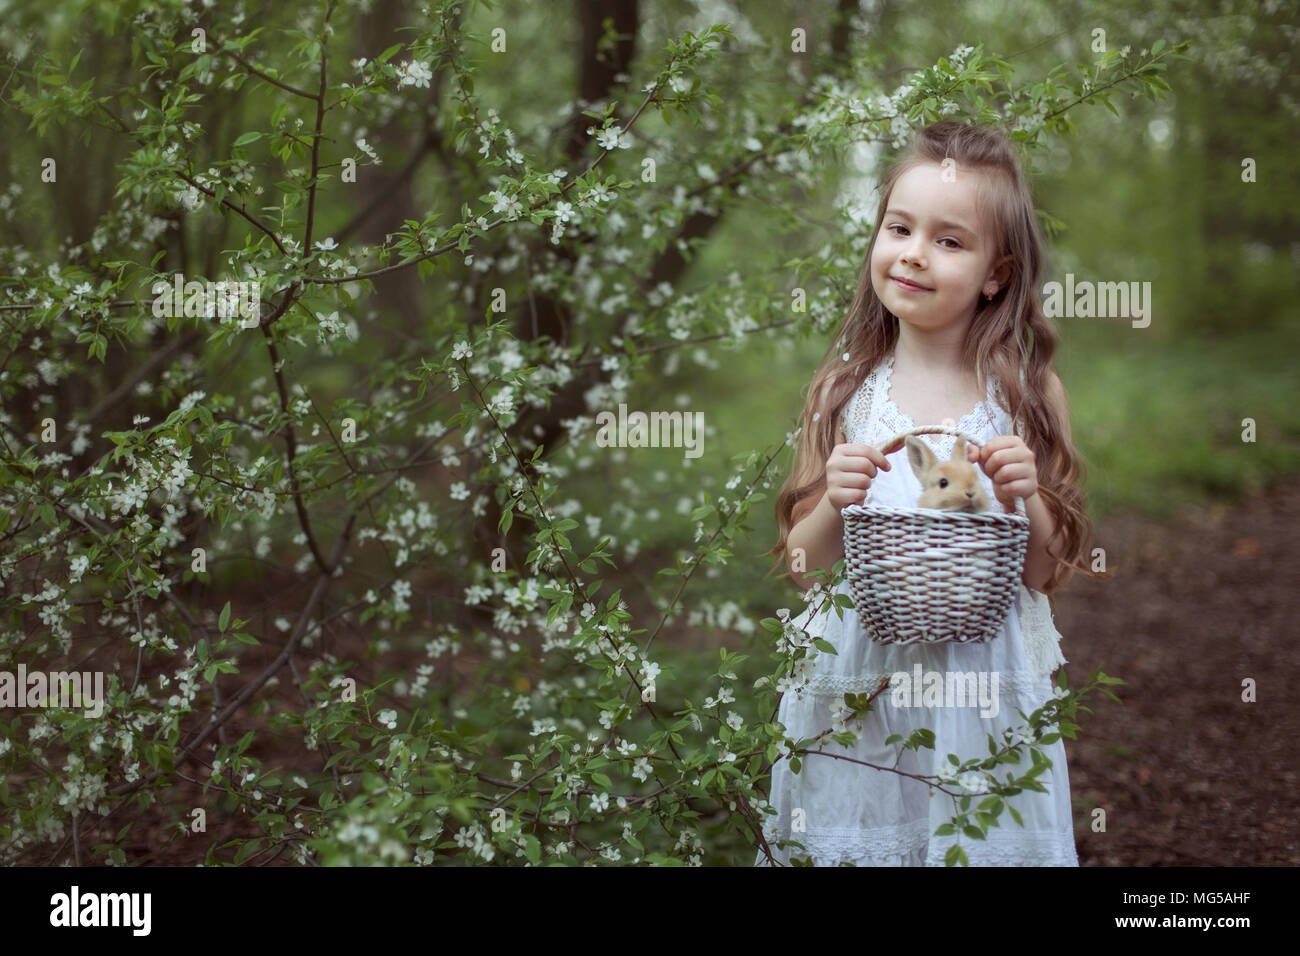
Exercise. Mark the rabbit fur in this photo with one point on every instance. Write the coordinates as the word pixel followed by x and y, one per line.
pixel 951 485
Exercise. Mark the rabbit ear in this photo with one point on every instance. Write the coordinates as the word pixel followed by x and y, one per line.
pixel 958 449
pixel 919 457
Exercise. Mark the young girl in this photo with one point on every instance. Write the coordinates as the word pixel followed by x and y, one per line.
pixel 946 328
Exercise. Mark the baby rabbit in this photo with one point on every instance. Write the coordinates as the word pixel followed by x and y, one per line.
pixel 952 485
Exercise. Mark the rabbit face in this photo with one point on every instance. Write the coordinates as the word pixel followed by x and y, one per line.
pixel 951 485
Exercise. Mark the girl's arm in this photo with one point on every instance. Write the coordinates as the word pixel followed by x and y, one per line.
pixel 1039 563
pixel 820 538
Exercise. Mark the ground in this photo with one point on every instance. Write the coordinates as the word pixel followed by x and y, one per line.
pixel 1187 772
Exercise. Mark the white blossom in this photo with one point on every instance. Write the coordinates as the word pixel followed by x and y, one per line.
pixel 414 73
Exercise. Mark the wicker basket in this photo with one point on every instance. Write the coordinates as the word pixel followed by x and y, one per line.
pixel 925 576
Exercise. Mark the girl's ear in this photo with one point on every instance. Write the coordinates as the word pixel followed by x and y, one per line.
pixel 1000 272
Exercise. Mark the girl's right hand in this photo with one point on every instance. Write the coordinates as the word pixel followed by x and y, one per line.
pixel 849 471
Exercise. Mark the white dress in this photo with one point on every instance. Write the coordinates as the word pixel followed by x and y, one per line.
pixel 843 811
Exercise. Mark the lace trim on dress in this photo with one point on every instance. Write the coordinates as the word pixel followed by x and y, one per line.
pixel 853 419
pixel 857 418
pixel 837 685
pixel 1042 639
pixel 896 420
pixel 832 844
pixel 1009 845
pixel 858 413
pixel 906 844
pixel 1012 685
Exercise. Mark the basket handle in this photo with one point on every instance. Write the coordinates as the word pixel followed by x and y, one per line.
pixel 895 443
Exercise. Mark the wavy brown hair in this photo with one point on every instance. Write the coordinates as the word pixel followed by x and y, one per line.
pixel 1006 335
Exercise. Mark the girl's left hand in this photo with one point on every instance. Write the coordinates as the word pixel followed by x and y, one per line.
pixel 1008 461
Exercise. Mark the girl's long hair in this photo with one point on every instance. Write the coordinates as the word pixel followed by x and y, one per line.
pixel 1008 334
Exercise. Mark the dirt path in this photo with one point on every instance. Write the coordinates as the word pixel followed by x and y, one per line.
pixel 1187 773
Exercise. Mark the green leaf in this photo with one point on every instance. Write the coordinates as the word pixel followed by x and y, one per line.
pixel 247 850
pixel 532 849
pixel 225 617
pixel 248 138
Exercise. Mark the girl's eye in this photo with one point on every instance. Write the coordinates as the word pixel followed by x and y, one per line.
pixel 955 243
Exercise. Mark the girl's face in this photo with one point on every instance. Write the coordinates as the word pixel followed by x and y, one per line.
pixel 932 235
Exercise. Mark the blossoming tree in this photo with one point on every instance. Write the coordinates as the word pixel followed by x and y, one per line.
pixel 304 343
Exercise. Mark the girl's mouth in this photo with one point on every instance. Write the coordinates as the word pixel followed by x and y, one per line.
pixel 909 286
